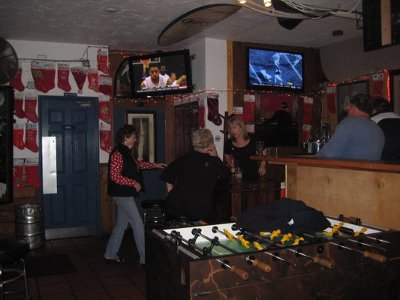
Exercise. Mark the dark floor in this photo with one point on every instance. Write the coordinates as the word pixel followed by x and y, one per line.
pixel 94 278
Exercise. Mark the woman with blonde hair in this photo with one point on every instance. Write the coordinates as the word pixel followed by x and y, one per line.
pixel 238 148
pixel 191 179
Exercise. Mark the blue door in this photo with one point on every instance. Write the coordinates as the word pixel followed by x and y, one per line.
pixel 74 209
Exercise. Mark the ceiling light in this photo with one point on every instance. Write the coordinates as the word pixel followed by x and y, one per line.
pixel 242 1
pixel 111 10
pixel 267 3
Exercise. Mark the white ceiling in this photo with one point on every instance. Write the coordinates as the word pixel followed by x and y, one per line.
pixel 136 25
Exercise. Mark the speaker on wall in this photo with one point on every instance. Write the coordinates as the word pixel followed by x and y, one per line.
pixel 6 143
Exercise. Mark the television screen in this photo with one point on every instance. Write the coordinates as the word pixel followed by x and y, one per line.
pixel 270 69
pixel 161 73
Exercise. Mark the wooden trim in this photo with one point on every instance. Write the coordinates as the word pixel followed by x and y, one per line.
pixel 229 69
pixel 305 160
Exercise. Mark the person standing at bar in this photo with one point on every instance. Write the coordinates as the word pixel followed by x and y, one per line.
pixel 356 136
pixel 239 148
pixel 124 184
pixel 389 122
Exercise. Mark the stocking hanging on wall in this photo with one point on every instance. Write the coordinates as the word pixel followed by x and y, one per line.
pixel 30 106
pixel 105 137
pixel 16 82
pixel 93 79
pixel 79 74
pixel 31 134
pixel 32 173
pixel 377 85
pixel 105 84
pixel 102 61
pixel 63 77
pixel 306 133
pixel 331 98
pixel 308 107
pixel 18 135
pixel 202 115
pixel 18 105
pixel 213 106
pixel 104 110
pixel 249 109
pixel 18 171
pixel 43 75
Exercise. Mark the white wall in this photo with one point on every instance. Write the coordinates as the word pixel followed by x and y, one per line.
pixel 56 52
pixel 347 60
pixel 209 71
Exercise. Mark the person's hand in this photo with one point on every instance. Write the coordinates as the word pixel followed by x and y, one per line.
pixel 161 165
pixel 137 186
pixel 262 170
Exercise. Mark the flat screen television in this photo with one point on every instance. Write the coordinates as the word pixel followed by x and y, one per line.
pixel 274 70
pixel 160 74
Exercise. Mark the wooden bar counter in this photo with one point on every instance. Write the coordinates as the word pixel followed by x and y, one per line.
pixel 363 189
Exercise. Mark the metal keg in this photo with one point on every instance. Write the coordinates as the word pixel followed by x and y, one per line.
pixel 29 225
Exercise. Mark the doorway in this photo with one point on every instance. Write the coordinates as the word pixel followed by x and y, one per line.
pixel 73 210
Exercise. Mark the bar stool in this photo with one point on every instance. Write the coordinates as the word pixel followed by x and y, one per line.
pixel 154 213
pixel 12 265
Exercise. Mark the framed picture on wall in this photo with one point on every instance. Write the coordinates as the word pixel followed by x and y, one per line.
pixel 144 121
pixel 345 92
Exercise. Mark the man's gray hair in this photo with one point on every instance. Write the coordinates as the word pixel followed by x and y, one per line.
pixel 202 139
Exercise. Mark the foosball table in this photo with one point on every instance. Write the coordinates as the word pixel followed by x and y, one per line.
pixel 222 261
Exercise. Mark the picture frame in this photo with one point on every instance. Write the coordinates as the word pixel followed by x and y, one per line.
pixel 345 92
pixel 145 124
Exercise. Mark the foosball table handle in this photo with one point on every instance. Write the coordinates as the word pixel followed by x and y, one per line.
pixel 329 264
pixel 239 272
pixel 262 266
pixel 375 256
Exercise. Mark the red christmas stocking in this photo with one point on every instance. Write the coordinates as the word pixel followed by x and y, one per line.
pixel 18 170
pixel 49 74
pixel 37 69
pixel 249 107
pixel 308 106
pixel 202 113
pixel 18 104
pixel 93 78
pixel 213 113
pixel 30 138
pixel 105 84
pixel 32 175
pixel 63 77
pixel 79 74
pixel 105 139
pixel 30 107
pixel 377 85
pixel 330 98
pixel 102 61
pixel 16 82
pixel 18 136
pixel 104 111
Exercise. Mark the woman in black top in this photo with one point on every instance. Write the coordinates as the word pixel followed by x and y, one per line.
pixel 237 151
pixel 191 179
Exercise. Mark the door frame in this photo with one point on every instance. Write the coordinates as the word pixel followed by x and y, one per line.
pixel 77 231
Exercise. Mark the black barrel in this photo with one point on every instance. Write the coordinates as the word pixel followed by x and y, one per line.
pixel 29 225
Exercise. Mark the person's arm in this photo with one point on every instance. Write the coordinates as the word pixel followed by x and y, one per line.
pixel 145 165
pixel 262 169
pixel 339 142
pixel 116 164
pixel 170 187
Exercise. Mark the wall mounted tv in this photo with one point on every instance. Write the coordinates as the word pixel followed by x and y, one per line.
pixel 274 70
pixel 160 74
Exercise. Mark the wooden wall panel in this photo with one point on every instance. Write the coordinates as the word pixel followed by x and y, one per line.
pixel 107 206
pixel 372 196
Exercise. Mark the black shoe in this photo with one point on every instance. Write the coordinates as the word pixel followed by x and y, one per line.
pixel 117 260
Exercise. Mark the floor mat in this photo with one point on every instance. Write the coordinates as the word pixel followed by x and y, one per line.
pixel 53 264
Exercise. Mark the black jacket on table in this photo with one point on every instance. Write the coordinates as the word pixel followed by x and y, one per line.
pixel 130 169
pixel 194 176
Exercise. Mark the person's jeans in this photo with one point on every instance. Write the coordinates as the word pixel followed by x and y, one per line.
pixel 127 212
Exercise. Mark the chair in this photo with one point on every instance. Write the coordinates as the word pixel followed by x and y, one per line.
pixel 12 265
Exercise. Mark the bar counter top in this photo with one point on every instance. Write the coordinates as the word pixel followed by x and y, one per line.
pixel 312 161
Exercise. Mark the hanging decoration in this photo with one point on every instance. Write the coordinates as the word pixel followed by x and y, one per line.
pixel 79 74
pixel 31 133
pixel 18 105
pixel 43 75
pixel 249 109
pixel 201 116
pixel 16 82
pixel 331 98
pixel 213 109
pixel 377 85
pixel 63 77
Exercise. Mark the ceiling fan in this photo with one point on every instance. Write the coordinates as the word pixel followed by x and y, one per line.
pixel 8 61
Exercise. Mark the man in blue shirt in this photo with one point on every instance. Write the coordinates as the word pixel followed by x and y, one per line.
pixel 356 136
